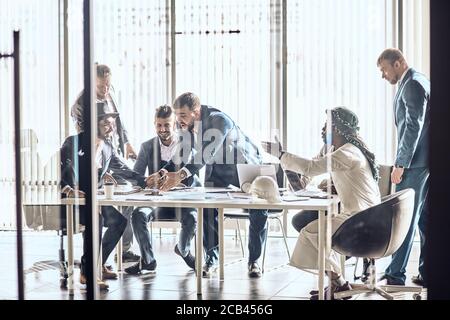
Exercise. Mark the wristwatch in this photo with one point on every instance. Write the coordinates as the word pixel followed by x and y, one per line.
pixel 182 174
pixel 162 172
pixel 397 166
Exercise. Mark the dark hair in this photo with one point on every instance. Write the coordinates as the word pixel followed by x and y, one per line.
pixel 392 55
pixel 103 70
pixel 163 112
pixel 188 99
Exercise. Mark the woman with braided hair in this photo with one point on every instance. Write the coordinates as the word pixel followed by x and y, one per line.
pixel 354 172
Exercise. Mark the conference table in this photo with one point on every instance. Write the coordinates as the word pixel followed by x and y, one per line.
pixel 220 198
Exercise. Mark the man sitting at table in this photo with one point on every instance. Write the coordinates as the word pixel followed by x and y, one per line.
pixel 154 155
pixel 355 174
pixel 73 169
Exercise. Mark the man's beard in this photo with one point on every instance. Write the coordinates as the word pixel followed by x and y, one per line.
pixel 188 127
pixel 164 137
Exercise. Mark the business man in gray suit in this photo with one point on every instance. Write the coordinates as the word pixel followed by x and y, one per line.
pixel 154 155
pixel 412 118
pixel 218 144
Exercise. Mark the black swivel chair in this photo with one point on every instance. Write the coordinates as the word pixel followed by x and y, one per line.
pixel 375 233
pixel 386 189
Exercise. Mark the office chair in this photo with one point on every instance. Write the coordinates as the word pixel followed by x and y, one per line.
pixel 386 189
pixel 374 233
pixel 51 217
pixel 163 219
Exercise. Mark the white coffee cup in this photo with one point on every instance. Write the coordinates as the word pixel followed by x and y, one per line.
pixel 109 190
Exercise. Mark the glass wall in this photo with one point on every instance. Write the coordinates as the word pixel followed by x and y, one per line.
pixel 40 138
pixel 227 52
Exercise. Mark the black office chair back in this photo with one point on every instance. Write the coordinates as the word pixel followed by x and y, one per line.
pixel 378 231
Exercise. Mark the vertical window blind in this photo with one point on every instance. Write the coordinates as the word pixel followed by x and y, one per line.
pixel 333 47
pixel 224 53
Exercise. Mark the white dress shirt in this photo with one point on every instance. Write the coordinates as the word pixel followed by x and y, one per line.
pixel 167 152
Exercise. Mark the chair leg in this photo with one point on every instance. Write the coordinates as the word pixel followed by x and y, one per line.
pixel 195 247
pixel 393 288
pixel 352 292
pixel 371 286
pixel 355 277
pixel 383 293
pixel 62 264
pixel 264 252
pixel 284 237
pixel 240 237
pixel 151 233
pixel 342 262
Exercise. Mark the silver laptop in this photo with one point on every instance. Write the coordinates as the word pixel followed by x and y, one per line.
pixel 248 172
pixel 299 188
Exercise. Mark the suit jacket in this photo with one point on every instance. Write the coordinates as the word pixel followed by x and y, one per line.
pixel 149 157
pixel 77 112
pixel 74 166
pixel 219 145
pixel 412 118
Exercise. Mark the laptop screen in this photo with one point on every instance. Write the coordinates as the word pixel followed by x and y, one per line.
pixel 248 172
pixel 295 180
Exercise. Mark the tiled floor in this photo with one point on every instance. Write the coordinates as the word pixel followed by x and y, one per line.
pixel 173 280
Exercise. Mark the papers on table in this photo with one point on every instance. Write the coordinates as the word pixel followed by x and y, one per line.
pixel 122 190
pixel 188 195
pixel 293 198
pixel 208 194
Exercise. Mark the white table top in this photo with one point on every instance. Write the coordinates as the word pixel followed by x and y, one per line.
pixel 205 198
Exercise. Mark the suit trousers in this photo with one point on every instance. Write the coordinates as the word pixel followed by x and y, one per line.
pixel 115 223
pixel 142 216
pixel 417 179
pixel 127 240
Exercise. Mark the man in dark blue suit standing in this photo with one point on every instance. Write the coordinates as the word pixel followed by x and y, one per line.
pixel 218 144
pixel 411 170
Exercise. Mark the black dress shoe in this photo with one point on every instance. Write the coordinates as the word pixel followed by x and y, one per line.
pixel 254 271
pixel 141 267
pixel 128 256
pixel 189 259
pixel 418 280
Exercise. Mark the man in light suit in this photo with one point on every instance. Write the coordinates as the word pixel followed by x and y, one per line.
pixel 218 145
pixel 154 155
pixel 411 170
